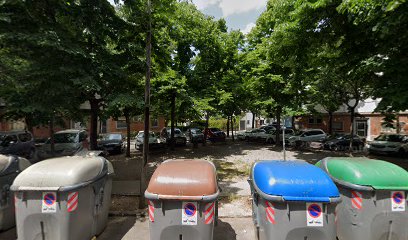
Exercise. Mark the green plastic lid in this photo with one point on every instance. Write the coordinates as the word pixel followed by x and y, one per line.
pixel 376 174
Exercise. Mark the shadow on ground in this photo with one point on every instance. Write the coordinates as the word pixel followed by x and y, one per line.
pixel 224 231
pixel 119 227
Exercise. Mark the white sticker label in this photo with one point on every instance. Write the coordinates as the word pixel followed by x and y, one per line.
pixel 398 201
pixel 189 213
pixel 314 213
pixel 49 202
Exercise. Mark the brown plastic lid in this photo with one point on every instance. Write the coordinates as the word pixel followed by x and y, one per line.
pixel 184 179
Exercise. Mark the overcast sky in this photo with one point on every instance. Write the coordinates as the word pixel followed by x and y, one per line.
pixel 239 14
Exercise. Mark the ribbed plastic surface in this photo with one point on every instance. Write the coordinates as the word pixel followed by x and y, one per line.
pixel 294 181
pixel 377 174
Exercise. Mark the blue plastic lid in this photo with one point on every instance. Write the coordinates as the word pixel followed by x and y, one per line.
pixel 294 181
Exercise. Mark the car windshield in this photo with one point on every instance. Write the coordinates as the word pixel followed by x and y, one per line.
pixel 389 138
pixel 64 138
pixel 299 133
pixel 141 135
pixel 196 131
pixel 113 136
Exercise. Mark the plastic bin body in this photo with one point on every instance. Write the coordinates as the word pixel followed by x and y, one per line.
pixel 366 187
pixel 82 187
pixel 282 193
pixel 167 222
pixel 175 185
pixel 10 167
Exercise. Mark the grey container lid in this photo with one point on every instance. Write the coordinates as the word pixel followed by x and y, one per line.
pixel 12 164
pixel 62 174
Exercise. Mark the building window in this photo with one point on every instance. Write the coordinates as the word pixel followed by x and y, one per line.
pixel 121 123
pixel 261 122
pixel 138 118
pixel 248 122
pixel 315 120
pixel 338 126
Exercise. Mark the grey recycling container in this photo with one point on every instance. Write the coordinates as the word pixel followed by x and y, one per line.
pixel 10 167
pixel 182 200
pixel 374 205
pixel 292 200
pixel 65 198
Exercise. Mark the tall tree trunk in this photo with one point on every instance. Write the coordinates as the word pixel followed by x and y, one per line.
pixel 293 122
pixel 207 120
pixel 142 202
pixel 232 128
pixel 127 117
pixel 29 123
pixel 278 121
pixel 228 126
pixel 173 119
pixel 253 120
pixel 52 121
pixel 94 123
pixel 398 123
pixel 330 122
pixel 352 130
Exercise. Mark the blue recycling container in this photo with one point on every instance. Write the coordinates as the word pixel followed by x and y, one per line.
pixel 292 200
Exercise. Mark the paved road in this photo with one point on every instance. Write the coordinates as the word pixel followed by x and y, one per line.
pixel 130 228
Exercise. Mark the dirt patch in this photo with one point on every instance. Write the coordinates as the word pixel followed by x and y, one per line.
pixel 124 204
pixel 234 206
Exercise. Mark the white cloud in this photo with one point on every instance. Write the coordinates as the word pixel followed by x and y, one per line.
pixel 231 7
pixel 203 4
pixel 248 28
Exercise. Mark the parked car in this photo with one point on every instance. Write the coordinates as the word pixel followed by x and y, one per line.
pixel 342 143
pixel 242 135
pixel 215 134
pixel 257 135
pixel 389 144
pixel 20 143
pixel 307 135
pixel 155 142
pixel 271 135
pixel 66 143
pixel 111 143
pixel 179 137
pixel 195 135
pixel 269 127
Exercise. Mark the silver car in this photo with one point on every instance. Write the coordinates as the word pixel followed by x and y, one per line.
pixel 389 144
pixel 307 135
pixel 66 143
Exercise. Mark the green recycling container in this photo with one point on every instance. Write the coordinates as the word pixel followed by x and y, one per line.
pixel 374 205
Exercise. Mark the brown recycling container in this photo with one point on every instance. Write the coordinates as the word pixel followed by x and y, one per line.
pixel 182 197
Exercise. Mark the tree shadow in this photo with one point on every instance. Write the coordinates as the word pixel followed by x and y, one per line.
pixel 118 227
pixel 224 231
